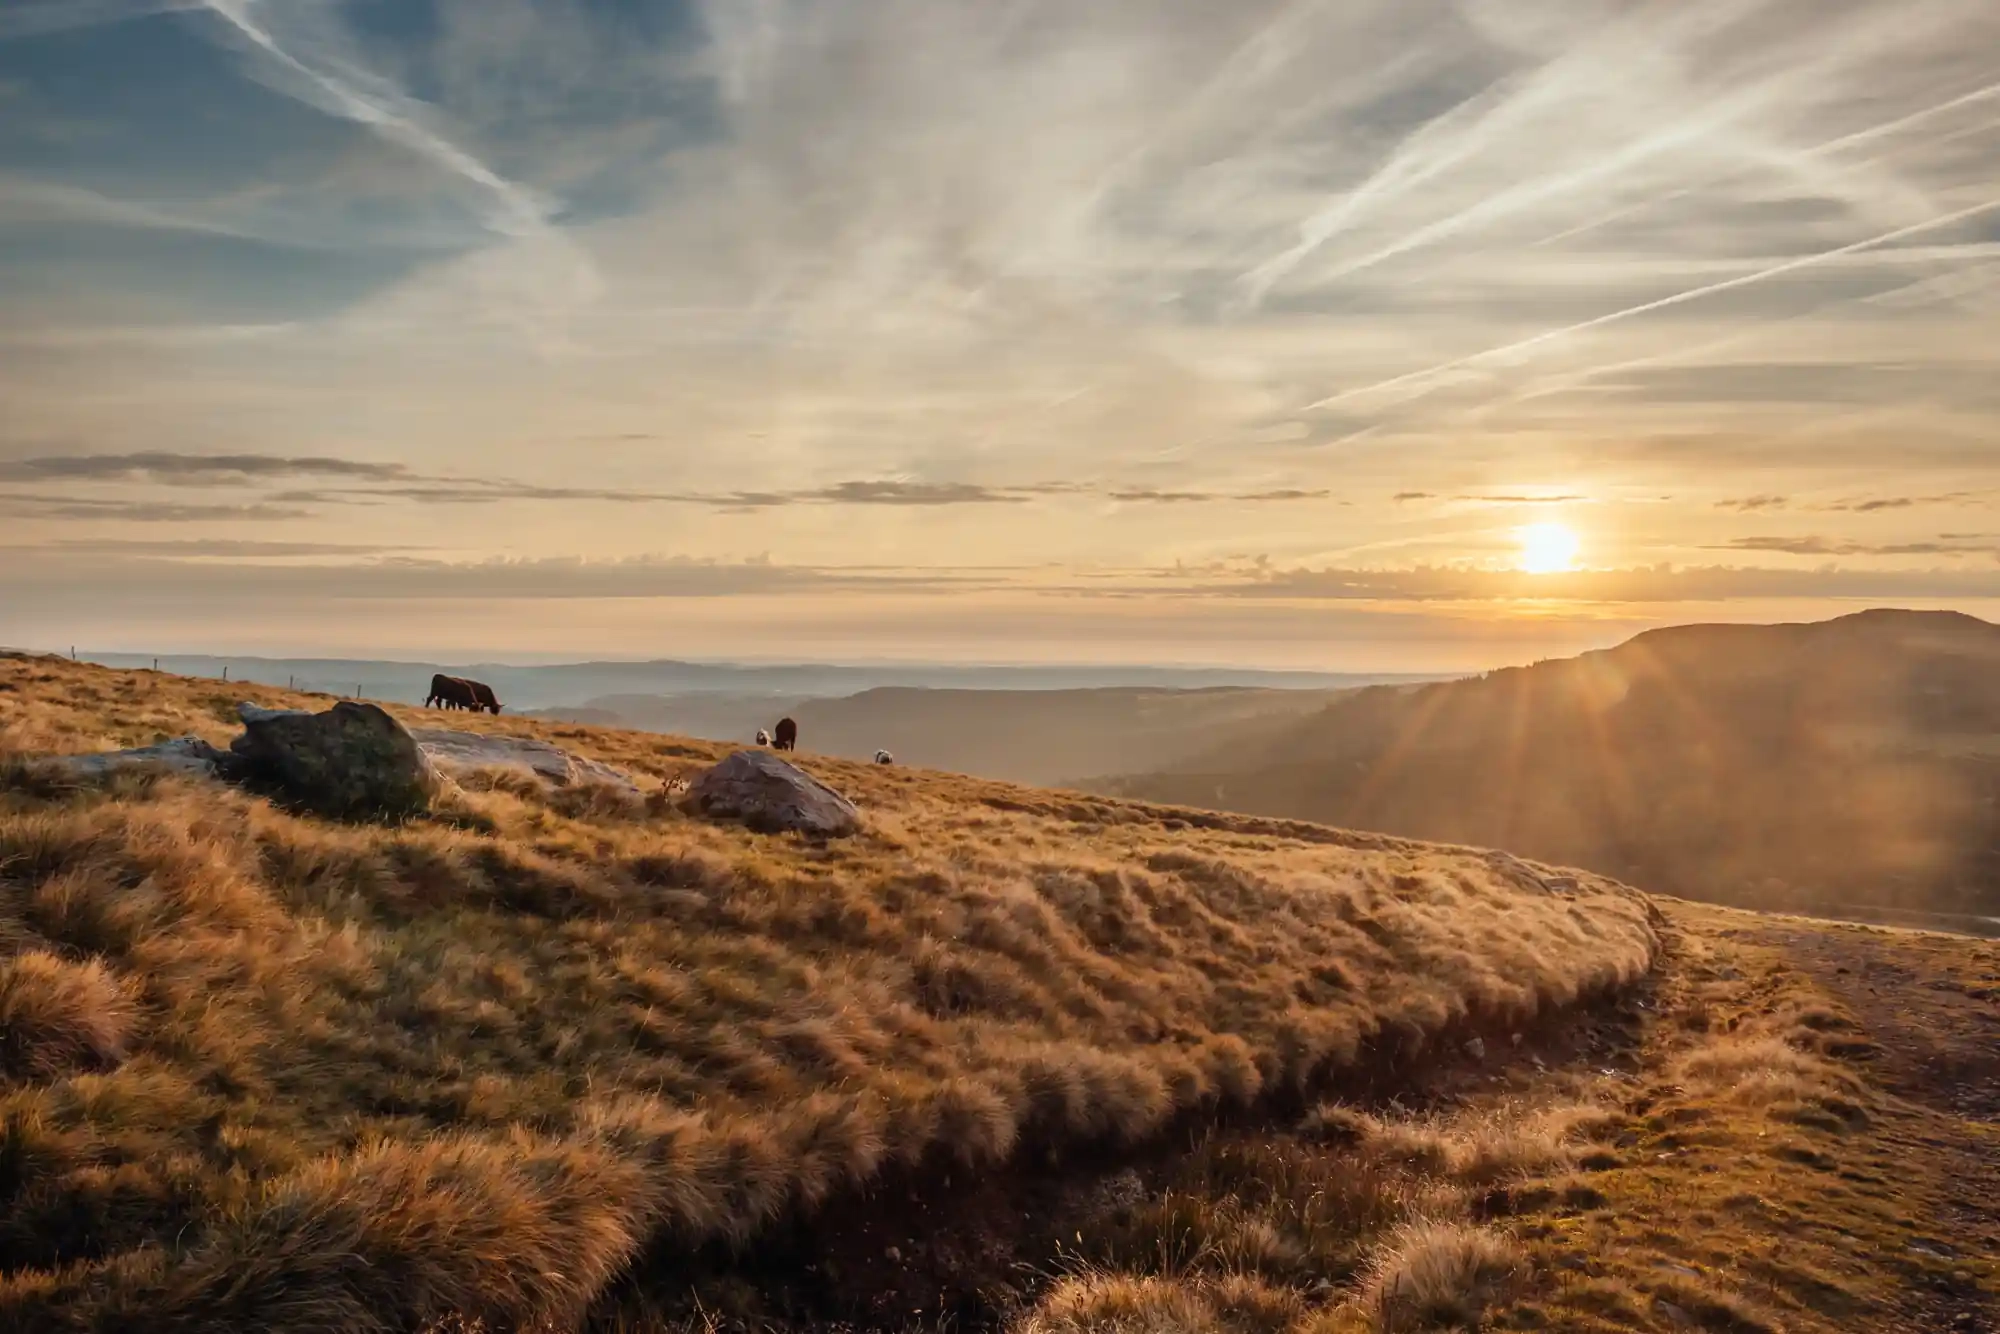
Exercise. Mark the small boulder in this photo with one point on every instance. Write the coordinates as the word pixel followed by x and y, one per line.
pixel 351 761
pixel 771 796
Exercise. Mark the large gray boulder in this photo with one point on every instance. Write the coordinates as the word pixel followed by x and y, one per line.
pixel 771 796
pixel 185 755
pixel 451 750
pixel 352 761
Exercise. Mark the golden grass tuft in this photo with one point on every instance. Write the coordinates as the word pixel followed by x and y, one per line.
pixel 1102 1302
pixel 57 1016
pixel 1437 1275
pixel 467 1064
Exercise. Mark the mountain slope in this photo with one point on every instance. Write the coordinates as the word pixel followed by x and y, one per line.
pixel 1049 736
pixel 260 1071
pixel 1849 761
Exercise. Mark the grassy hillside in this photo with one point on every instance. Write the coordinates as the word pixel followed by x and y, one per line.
pixel 1852 761
pixel 1020 736
pixel 515 1060
pixel 1050 736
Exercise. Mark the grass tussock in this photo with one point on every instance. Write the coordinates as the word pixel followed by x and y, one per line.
pixel 57 1016
pixel 298 1071
pixel 1437 1275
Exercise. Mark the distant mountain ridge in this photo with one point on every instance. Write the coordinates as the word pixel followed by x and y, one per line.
pixel 1855 760
pixel 581 684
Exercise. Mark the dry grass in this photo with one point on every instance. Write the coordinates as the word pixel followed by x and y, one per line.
pixel 285 1073
pixel 1437 1276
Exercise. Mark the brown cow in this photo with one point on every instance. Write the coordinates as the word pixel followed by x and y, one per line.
pixel 449 692
pixel 786 736
pixel 456 692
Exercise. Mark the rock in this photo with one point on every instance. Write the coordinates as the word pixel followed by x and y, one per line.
pixel 352 761
pixel 771 796
pixel 187 755
pixel 1476 1049
pixel 450 750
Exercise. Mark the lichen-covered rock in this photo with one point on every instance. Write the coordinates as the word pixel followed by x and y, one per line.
pixel 352 761
pixel 477 750
pixel 771 796
pixel 186 754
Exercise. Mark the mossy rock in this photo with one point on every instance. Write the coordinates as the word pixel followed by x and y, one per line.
pixel 351 762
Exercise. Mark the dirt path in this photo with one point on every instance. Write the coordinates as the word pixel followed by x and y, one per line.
pixel 1930 1005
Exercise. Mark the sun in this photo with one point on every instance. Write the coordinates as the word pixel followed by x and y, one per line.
pixel 1547 548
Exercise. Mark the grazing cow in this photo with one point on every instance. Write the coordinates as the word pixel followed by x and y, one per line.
pixel 763 737
pixel 787 737
pixel 455 692
pixel 448 692
pixel 884 757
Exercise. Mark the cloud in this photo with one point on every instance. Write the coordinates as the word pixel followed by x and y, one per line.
pixel 1825 546
pixel 1526 500
pixel 195 548
pixel 1748 504
pixel 911 493
pixel 1401 497
pixel 190 468
pixel 1878 504
pixel 1151 496
pixel 34 18
pixel 409 578
pixel 1604 587
pixel 29 506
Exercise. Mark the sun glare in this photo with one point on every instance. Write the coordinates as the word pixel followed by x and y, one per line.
pixel 1547 548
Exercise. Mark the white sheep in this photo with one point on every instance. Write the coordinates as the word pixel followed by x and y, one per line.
pixel 763 737
pixel 884 757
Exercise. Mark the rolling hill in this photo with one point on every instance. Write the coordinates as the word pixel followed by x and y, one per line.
pixel 1847 762
pixel 573 1060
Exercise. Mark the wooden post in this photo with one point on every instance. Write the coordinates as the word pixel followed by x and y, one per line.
pixel 225 673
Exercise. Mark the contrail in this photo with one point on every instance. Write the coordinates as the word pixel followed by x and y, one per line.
pixel 33 19
pixel 1677 299
pixel 1861 136
pixel 519 214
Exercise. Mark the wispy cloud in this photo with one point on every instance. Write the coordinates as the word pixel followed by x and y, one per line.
pixel 1825 546
pixel 34 506
pixel 154 465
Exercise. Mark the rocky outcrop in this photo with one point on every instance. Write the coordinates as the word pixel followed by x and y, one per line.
pixel 769 795
pixel 451 750
pixel 351 761
pixel 187 755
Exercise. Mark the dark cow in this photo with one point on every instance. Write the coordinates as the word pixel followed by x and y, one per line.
pixel 448 692
pixel 455 692
pixel 786 736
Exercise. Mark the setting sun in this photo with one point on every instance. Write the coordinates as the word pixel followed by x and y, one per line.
pixel 1547 548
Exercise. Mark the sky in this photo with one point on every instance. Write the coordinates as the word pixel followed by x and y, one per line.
pixel 1352 334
